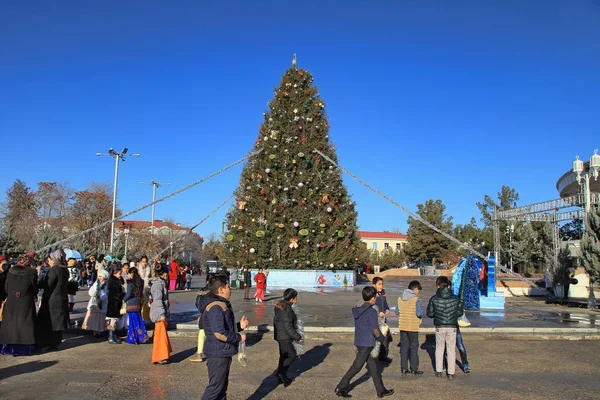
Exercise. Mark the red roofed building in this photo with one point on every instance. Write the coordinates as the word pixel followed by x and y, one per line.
pixel 161 228
pixel 383 240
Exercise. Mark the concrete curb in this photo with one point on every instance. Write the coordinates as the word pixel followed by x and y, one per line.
pixel 466 331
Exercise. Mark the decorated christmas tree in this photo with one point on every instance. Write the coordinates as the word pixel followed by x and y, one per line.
pixel 292 209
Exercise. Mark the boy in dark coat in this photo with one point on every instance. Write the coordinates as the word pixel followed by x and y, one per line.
pixel 445 308
pixel 285 324
pixel 222 337
pixel 366 332
pixel 384 311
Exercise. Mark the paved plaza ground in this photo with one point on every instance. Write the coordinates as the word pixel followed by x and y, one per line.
pixel 523 367
pixel 331 308
pixel 86 368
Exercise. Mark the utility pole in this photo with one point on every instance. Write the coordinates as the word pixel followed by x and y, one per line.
pixel 154 186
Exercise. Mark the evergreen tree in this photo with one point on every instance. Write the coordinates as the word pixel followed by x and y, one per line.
pixel 292 208
pixel 590 251
pixel 9 242
pixel 42 238
pixel 425 244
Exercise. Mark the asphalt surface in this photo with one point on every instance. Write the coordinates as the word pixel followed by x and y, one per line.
pixel 86 368
pixel 331 307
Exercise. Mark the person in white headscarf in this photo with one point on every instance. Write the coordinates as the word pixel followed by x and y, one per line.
pixel 95 319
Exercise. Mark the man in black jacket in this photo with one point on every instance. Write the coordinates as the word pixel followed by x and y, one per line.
pixel 445 308
pixel 247 282
pixel 285 324
pixel 222 337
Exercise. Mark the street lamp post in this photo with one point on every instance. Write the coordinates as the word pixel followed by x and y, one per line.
pixel 171 246
pixel 584 173
pixel 154 186
pixel 126 230
pixel 117 156
pixel 509 231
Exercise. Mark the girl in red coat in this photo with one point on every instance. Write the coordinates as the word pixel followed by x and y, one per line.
pixel 261 285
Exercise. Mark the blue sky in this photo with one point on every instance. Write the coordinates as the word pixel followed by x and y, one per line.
pixel 429 99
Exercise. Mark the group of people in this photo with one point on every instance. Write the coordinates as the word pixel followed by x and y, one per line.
pixel 180 278
pixel 135 293
pixel 372 337
pixel 220 336
pixel 122 295
pixel 242 278
pixel 23 327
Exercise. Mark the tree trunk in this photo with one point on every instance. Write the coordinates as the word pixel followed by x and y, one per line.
pixel 592 298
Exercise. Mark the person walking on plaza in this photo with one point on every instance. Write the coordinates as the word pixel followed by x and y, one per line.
pixel 188 280
pixel 222 338
pixel 136 333
pixel 159 314
pixel 462 350
pixel 384 311
pixel 95 318
pixel 367 339
pixel 73 284
pixel 234 278
pixel 17 332
pixel 410 315
pixel 173 273
pixel 89 274
pixel 145 272
pixel 285 324
pixel 261 285
pixel 42 273
pixel 247 282
pixel 114 301
pixel 53 316
pixel 445 308
pixel 202 293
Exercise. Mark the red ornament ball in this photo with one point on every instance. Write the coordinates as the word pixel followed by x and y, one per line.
pixel 300 127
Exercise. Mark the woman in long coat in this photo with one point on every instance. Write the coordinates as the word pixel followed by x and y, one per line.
pixel 17 334
pixel 159 314
pixel 115 301
pixel 53 317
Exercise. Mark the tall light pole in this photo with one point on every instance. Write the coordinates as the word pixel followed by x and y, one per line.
pixel 126 230
pixel 154 186
pixel 117 156
pixel 509 231
pixel 584 172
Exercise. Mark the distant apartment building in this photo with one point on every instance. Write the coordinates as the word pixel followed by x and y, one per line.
pixel 383 240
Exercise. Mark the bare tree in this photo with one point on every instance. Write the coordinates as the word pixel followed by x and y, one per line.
pixel 91 207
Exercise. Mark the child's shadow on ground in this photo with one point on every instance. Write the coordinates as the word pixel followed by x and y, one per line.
pixel 366 376
pixel 306 362
pixel 429 346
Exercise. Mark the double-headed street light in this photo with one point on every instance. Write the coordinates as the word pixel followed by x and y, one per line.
pixel 154 186
pixel 117 156
pixel 584 171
